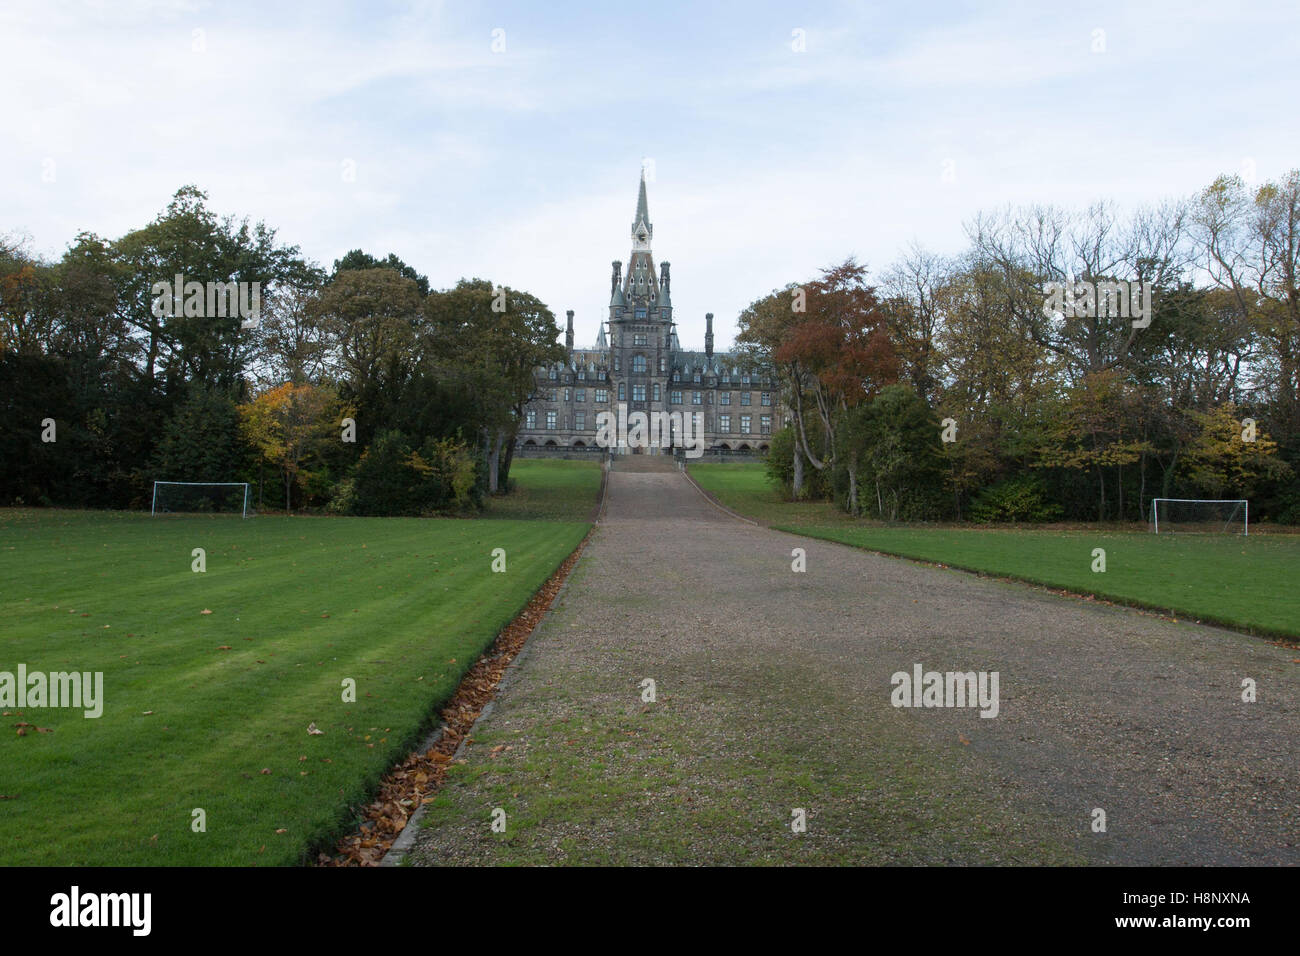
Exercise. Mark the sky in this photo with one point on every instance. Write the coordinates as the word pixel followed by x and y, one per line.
pixel 505 141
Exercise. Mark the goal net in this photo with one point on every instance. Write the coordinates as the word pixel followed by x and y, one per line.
pixel 1200 516
pixel 196 497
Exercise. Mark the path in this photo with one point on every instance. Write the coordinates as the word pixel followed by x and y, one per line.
pixel 773 696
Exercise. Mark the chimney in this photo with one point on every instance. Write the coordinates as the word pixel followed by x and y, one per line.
pixel 663 276
pixel 568 335
pixel 708 334
pixel 613 282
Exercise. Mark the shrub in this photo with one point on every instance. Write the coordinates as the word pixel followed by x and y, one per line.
pixel 1023 498
pixel 392 478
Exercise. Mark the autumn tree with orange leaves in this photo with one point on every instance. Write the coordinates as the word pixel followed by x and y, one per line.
pixel 288 426
pixel 837 352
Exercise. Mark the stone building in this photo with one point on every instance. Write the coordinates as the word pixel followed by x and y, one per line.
pixel 638 361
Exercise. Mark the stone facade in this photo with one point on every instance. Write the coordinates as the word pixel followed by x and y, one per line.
pixel 641 364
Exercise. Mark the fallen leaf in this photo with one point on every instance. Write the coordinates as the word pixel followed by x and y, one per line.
pixel 265 770
pixel 282 830
pixel 205 611
pixel 311 729
pixel 145 713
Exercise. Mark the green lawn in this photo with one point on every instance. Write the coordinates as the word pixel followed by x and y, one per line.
pixel 198 705
pixel 745 488
pixel 549 490
pixel 1248 583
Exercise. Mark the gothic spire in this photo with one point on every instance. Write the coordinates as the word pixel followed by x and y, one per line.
pixel 641 228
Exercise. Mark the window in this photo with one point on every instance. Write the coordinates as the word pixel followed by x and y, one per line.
pixel 579 420
pixel 580 395
pixel 640 313
pixel 618 364
pixel 568 394
pixel 765 424
pixel 656 391
pixel 662 360
pixel 767 399
pixel 724 423
pixel 638 393
pixel 639 338
pixel 554 375
pixel 638 362
pixel 666 312
pixel 582 374
pixel 602 395
pixel 550 394
pixel 744 424
pixel 744 398
pixel 530 419
pixel 674 398
pixel 697 378
pixel 622 391
pixel 697 398
pixel 724 398
pixel 677 376
pixel 726 378
pixel 550 420
pixel 744 379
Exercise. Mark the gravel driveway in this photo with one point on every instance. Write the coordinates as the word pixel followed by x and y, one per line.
pixel 772 707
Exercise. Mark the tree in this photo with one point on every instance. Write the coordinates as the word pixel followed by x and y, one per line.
pixel 893 441
pixel 1095 428
pixel 188 239
pixel 203 441
pixel 1222 461
pixel 371 321
pixel 289 424
pixel 763 327
pixel 840 355
pixel 487 342
pixel 358 260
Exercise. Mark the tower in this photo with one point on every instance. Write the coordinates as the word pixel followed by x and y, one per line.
pixel 640 319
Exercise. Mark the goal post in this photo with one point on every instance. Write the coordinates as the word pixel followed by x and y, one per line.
pixel 1200 516
pixel 200 497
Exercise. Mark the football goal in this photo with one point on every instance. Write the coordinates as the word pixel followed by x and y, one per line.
pixel 199 497
pixel 1200 516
